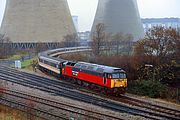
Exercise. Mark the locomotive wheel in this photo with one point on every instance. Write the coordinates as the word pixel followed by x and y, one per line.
pixel 85 84
pixel 73 80
pixel 79 82
pixel 123 91
pixel 104 90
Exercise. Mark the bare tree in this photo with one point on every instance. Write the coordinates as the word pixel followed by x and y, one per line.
pixel 108 44
pixel 128 43
pixel 5 46
pixel 71 40
pixel 40 47
pixel 98 38
pixel 122 43
pixel 117 39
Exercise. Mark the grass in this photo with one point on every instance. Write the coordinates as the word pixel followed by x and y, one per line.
pixel 26 63
pixel 7 113
pixel 14 57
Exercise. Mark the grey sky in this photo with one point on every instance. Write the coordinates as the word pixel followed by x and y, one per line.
pixel 85 9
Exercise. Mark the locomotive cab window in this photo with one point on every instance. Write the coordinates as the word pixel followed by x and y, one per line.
pixel 118 75
pixel 122 75
pixel 115 75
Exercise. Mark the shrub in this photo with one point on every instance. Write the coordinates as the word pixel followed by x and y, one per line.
pixel 149 88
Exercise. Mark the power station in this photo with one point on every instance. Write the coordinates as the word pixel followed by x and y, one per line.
pixel 27 22
pixel 119 16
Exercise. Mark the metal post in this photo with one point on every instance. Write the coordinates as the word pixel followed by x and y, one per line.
pixel 147 65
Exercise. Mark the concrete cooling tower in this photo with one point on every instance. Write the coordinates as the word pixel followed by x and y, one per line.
pixel 119 16
pixel 32 21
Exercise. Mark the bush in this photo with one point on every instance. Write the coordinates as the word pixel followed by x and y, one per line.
pixel 149 88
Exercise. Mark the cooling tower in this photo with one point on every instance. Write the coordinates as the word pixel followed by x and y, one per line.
pixel 32 21
pixel 119 16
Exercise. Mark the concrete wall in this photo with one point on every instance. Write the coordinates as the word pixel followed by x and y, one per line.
pixel 119 16
pixel 27 21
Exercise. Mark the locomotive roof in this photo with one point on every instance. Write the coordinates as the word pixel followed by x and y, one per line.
pixel 97 68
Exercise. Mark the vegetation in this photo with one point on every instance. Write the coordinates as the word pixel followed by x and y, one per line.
pixel 160 49
pixel 5 47
pixel 14 57
pixel 152 64
pixel 70 40
pixel 7 113
pixel 110 44
pixel 98 38
pixel 149 88
pixel 27 63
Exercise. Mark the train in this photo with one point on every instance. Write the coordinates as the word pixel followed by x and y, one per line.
pixel 111 80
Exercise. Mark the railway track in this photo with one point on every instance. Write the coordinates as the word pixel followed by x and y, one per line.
pixel 143 104
pixel 139 103
pixel 44 84
pixel 81 112
pixel 24 108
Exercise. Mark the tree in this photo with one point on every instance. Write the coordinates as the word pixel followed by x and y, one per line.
pixel 71 40
pixel 41 47
pixel 161 42
pixel 177 47
pixel 5 46
pixel 160 48
pixel 122 43
pixel 98 38
pixel 128 44
pixel 117 39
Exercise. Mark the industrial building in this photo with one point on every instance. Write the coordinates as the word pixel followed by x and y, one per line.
pixel 148 23
pixel 119 16
pixel 27 22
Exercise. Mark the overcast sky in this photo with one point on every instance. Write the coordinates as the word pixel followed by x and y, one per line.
pixel 85 10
